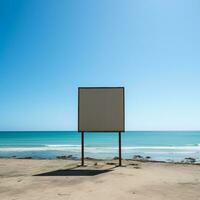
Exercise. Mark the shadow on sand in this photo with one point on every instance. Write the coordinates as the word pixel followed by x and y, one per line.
pixel 76 172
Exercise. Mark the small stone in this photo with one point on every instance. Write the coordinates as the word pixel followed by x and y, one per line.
pixel 65 157
pixel 138 157
pixel 110 163
pixel 189 160
pixel 26 158
pixel 89 158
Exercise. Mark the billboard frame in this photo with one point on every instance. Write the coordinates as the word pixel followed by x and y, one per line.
pixel 123 89
pixel 117 131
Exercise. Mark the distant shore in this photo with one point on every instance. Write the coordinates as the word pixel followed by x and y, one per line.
pixel 100 179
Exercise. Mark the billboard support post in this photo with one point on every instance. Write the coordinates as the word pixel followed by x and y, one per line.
pixel 120 151
pixel 82 148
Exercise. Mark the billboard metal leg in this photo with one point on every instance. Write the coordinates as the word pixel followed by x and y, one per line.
pixel 82 148
pixel 120 151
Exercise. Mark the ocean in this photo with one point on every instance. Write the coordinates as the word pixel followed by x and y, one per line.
pixel 159 145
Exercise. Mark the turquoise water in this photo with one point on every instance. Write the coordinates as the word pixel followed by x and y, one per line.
pixel 48 144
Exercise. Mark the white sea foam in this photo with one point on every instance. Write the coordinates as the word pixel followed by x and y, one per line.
pixel 166 147
pixel 62 145
pixel 76 148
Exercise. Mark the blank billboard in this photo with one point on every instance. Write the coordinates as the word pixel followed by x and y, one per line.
pixel 100 109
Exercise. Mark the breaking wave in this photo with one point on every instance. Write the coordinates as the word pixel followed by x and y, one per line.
pixel 76 148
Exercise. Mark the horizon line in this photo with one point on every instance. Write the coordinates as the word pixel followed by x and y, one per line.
pixel 178 130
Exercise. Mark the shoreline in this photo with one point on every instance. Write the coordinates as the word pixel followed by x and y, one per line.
pixel 115 159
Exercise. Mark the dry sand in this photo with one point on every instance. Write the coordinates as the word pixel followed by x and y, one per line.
pixel 28 179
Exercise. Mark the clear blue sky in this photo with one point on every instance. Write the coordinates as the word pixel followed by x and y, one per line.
pixel 48 48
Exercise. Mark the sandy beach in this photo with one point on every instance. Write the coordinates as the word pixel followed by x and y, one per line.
pixel 63 179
